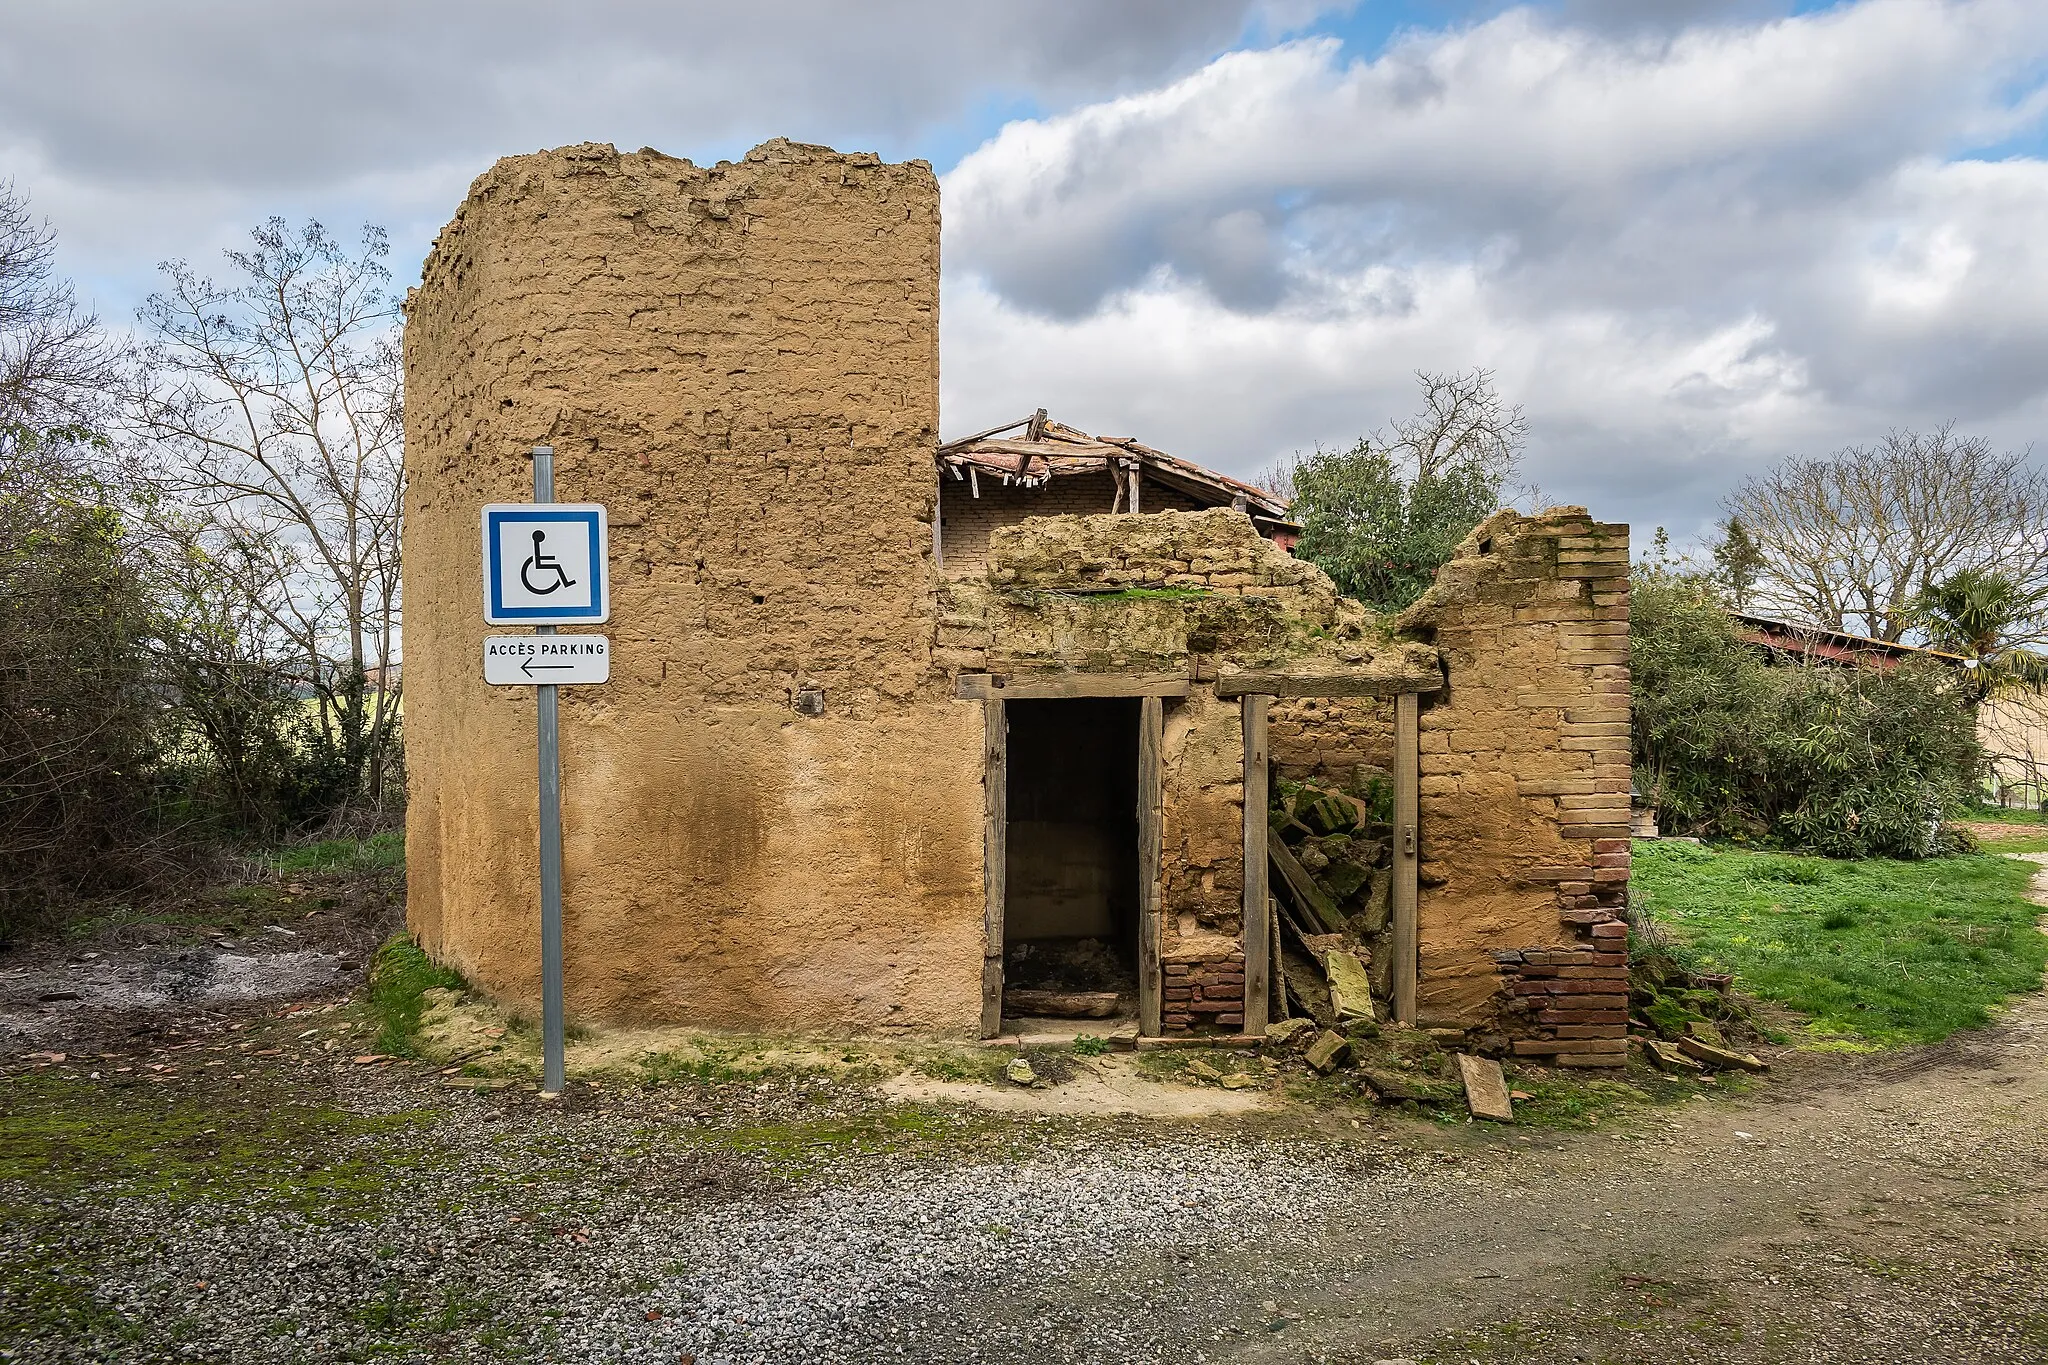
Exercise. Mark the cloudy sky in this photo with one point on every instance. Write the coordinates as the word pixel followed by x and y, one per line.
pixel 1690 236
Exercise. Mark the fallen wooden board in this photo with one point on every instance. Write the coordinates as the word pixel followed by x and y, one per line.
pixel 1307 896
pixel 1030 1004
pixel 1230 1040
pixel 1486 1089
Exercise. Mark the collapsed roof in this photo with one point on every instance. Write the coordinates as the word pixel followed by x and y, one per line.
pixel 1043 450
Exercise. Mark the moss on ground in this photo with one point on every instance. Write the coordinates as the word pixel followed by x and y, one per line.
pixel 60 1134
pixel 400 977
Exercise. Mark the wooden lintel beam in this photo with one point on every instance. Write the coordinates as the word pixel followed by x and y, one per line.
pixel 1056 686
pixel 1319 685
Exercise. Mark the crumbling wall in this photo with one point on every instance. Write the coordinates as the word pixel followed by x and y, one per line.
pixel 741 361
pixel 1524 790
pixel 1187 594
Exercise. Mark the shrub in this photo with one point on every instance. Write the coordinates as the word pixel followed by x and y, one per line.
pixel 1849 762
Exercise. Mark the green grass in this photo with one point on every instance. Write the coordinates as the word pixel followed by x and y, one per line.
pixel 379 851
pixel 2002 815
pixel 400 977
pixel 1887 952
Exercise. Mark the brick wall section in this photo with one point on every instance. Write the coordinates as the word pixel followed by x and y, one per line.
pixel 968 520
pixel 1204 990
pixel 1525 781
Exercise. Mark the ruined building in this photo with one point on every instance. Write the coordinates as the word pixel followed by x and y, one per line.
pixel 893 725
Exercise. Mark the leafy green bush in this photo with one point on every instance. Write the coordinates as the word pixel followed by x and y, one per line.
pixel 1848 762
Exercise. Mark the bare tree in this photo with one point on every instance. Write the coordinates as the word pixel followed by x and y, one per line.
pixel 270 408
pixel 54 361
pixel 1850 542
pixel 1463 423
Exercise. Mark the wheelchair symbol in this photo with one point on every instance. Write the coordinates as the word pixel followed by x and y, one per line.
pixel 544 564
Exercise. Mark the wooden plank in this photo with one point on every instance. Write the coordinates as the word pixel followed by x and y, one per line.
pixel 995 852
pixel 1151 727
pixel 1318 685
pixel 1257 946
pixel 1276 997
pixel 1407 852
pixel 1307 896
pixel 1059 686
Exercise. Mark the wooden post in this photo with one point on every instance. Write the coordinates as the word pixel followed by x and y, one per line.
pixel 1257 948
pixel 1407 856
pixel 1151 723
pixel 995 853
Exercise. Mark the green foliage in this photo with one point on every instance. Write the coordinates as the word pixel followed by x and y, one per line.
pixel 1382 517
pixel 77 717
pixel 1849 762
pixel 1738 561
pixel 1889 952
pixel 1380 536
pixel 400 977
pixel 1985 616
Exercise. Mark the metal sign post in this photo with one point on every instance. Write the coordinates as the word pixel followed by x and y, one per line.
pixel 545 565
pixel 553 1076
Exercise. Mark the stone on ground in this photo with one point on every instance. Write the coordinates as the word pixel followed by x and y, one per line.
pixel 1330 1051
pixel 1722 1058
pixel 1486 1089
pixel 1019 1072
pixel 1350 987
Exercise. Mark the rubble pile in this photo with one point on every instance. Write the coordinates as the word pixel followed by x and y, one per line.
pixel 1332 877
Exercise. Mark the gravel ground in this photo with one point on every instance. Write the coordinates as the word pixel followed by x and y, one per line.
pixel 236 1188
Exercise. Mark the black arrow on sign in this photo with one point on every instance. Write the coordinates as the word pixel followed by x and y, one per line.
pixel 527 666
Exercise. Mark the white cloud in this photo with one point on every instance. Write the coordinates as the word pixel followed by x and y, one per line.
pixel 148 130
pixel 1685 253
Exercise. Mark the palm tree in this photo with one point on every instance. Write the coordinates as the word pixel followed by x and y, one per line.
pixel 1989 618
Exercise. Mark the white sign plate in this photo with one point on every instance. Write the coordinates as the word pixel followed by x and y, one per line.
pixel 544 564
pixel 530 660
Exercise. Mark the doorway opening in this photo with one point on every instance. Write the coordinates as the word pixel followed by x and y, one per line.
pixel 1070 908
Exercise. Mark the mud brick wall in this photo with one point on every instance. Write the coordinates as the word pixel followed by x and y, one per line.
pixel 1524 791
pixel 967 520
pixel 741 361
pixel 1328 739
pixel 1204 990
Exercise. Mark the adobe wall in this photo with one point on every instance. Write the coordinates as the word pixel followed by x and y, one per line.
pixel 1525 782
pixel 741 361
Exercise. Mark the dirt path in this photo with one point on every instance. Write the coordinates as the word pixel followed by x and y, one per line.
pixel 1888 1208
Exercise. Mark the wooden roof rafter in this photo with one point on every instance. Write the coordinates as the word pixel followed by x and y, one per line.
pixel 1046 449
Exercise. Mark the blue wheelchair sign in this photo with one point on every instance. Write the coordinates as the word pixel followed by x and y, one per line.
pixel 544 564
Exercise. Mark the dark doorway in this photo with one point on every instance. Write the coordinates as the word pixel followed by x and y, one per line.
pixel 1070 912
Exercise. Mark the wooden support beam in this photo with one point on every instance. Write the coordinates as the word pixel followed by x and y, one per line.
pixel 995 854
pixel 1407 852
pixel 1059 686
pixel 1151 727
pixel 1257 946
pixel 1318 685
